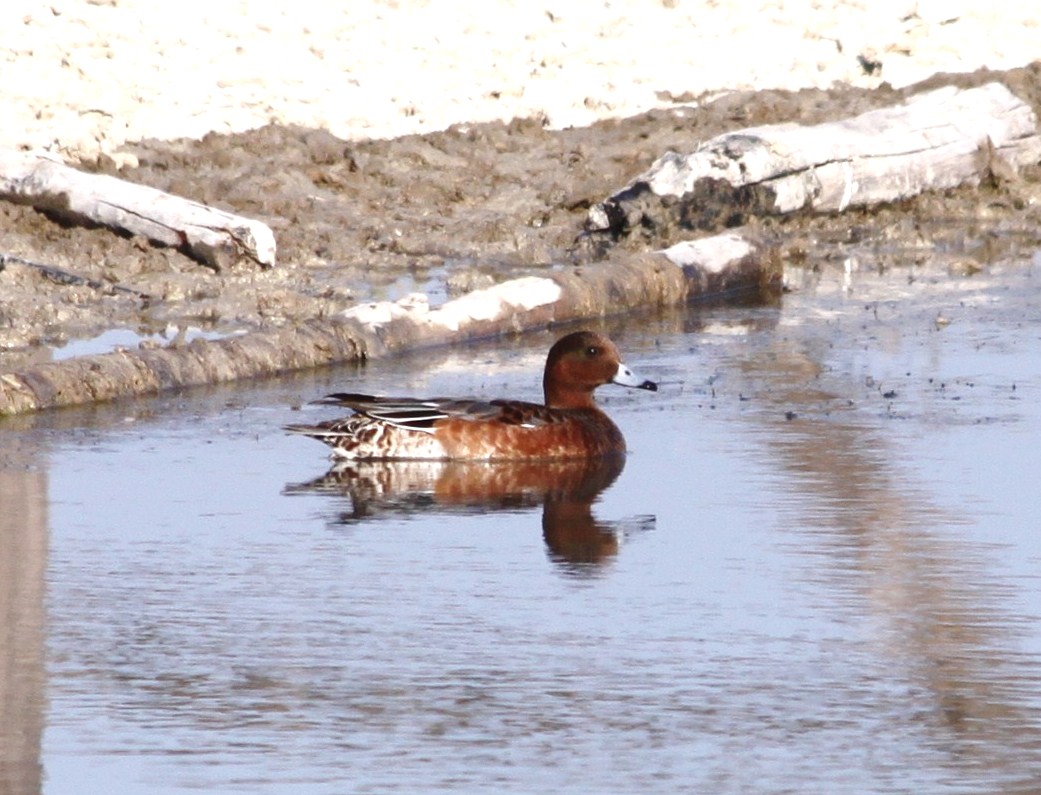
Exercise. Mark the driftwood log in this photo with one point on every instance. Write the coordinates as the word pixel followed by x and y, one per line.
pixel 212 236
pixel 933 141
pixel 714 266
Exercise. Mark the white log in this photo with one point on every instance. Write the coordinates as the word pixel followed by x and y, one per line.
pixel 933 141
pixel 213 236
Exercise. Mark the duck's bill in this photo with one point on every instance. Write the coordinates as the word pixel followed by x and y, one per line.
pixel 626 377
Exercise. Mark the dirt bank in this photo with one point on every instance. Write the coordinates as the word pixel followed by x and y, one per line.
pixel 446 212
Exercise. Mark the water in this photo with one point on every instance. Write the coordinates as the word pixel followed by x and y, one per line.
pixel 115 339
pixel 817 571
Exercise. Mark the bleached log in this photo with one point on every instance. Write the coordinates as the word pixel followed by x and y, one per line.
pixel 212 236
pixel 710 267
pixel 933 141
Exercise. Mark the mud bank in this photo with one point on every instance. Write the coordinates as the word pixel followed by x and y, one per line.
pixel 448 212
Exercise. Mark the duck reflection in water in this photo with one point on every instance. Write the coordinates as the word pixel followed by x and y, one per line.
pixel 567 490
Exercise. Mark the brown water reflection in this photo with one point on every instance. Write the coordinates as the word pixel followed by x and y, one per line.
pixel 931 606
pixel 566 490
pixel 23 561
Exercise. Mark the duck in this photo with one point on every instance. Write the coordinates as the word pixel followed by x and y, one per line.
pixel 568 425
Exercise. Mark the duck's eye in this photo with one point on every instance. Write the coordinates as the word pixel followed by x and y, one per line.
pixel 592 351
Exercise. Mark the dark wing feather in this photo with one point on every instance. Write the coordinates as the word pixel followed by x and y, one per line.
pixel 422 413
pixel 411 413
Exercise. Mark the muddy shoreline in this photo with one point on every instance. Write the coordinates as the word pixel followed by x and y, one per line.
pixel 447 212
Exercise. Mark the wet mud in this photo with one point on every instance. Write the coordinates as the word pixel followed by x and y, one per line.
pixel 451 211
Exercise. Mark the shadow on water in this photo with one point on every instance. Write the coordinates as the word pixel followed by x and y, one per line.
pixel 566 490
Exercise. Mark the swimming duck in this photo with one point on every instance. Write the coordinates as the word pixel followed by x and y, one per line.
pixel 568 425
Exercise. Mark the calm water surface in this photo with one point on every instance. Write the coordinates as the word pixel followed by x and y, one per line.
pixel 817 572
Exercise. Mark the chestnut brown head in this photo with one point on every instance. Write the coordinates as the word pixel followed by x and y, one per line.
pixel 579 363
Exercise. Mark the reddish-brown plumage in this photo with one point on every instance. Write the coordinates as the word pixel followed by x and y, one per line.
pixel 568 425
pixel 567 433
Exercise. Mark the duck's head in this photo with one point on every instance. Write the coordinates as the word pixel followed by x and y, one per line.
pixel 579 363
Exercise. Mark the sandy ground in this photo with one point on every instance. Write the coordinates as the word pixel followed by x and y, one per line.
pixel 82 76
